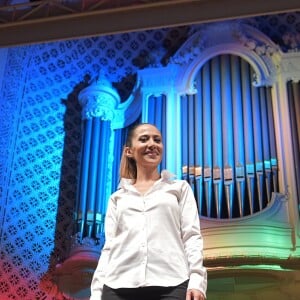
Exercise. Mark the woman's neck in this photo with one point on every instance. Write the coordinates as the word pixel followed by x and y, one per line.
pixel 146 175
pixel 145 181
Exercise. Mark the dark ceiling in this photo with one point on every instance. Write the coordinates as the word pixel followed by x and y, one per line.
pixel 50 20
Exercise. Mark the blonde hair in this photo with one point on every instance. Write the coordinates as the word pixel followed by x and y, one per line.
pixel 127 166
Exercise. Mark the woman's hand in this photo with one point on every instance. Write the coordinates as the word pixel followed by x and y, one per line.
pixel 194 295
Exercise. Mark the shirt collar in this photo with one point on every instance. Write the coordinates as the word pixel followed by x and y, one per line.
pixel 165 176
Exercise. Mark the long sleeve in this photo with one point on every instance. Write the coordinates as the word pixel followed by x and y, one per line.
pixel 192 239
pixel 99 274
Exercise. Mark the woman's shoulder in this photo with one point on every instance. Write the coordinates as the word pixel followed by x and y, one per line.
pixel 171 178
pixel 123 185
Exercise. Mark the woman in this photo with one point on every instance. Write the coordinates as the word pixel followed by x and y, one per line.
pixel 153 247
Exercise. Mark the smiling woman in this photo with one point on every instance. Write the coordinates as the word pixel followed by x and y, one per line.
pixel 151 218
pixel 143 150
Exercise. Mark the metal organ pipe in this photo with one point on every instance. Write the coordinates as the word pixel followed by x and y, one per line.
pixel 238 134
pixel 227 133
pixel 207 137
pixel 84 175
pixel 217 134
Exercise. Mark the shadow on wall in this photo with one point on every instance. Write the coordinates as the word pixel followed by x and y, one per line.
pixel 65 226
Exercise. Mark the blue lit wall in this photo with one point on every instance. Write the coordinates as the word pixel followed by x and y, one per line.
pixel 40 139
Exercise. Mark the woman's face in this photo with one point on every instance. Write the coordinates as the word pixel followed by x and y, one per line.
pixel 146 146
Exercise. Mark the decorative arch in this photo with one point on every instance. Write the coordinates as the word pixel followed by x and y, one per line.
pixel 227 38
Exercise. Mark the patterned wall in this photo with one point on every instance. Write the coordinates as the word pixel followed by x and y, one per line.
pixel 40 138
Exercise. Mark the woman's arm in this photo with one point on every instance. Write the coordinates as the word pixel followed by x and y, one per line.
pixel 193 244
pixel 99 274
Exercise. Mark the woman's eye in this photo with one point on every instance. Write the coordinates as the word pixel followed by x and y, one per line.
pixel 144 139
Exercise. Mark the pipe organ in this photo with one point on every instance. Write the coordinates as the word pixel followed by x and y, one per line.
pixel 230 134
pixel 227 103
pixel 228 97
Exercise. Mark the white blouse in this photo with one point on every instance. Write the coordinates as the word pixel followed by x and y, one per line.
pixel 152 239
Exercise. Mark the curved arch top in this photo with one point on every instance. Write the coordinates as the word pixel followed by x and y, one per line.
pixel 227 38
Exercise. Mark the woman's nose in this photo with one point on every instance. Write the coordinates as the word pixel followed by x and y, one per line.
pixel 151 143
